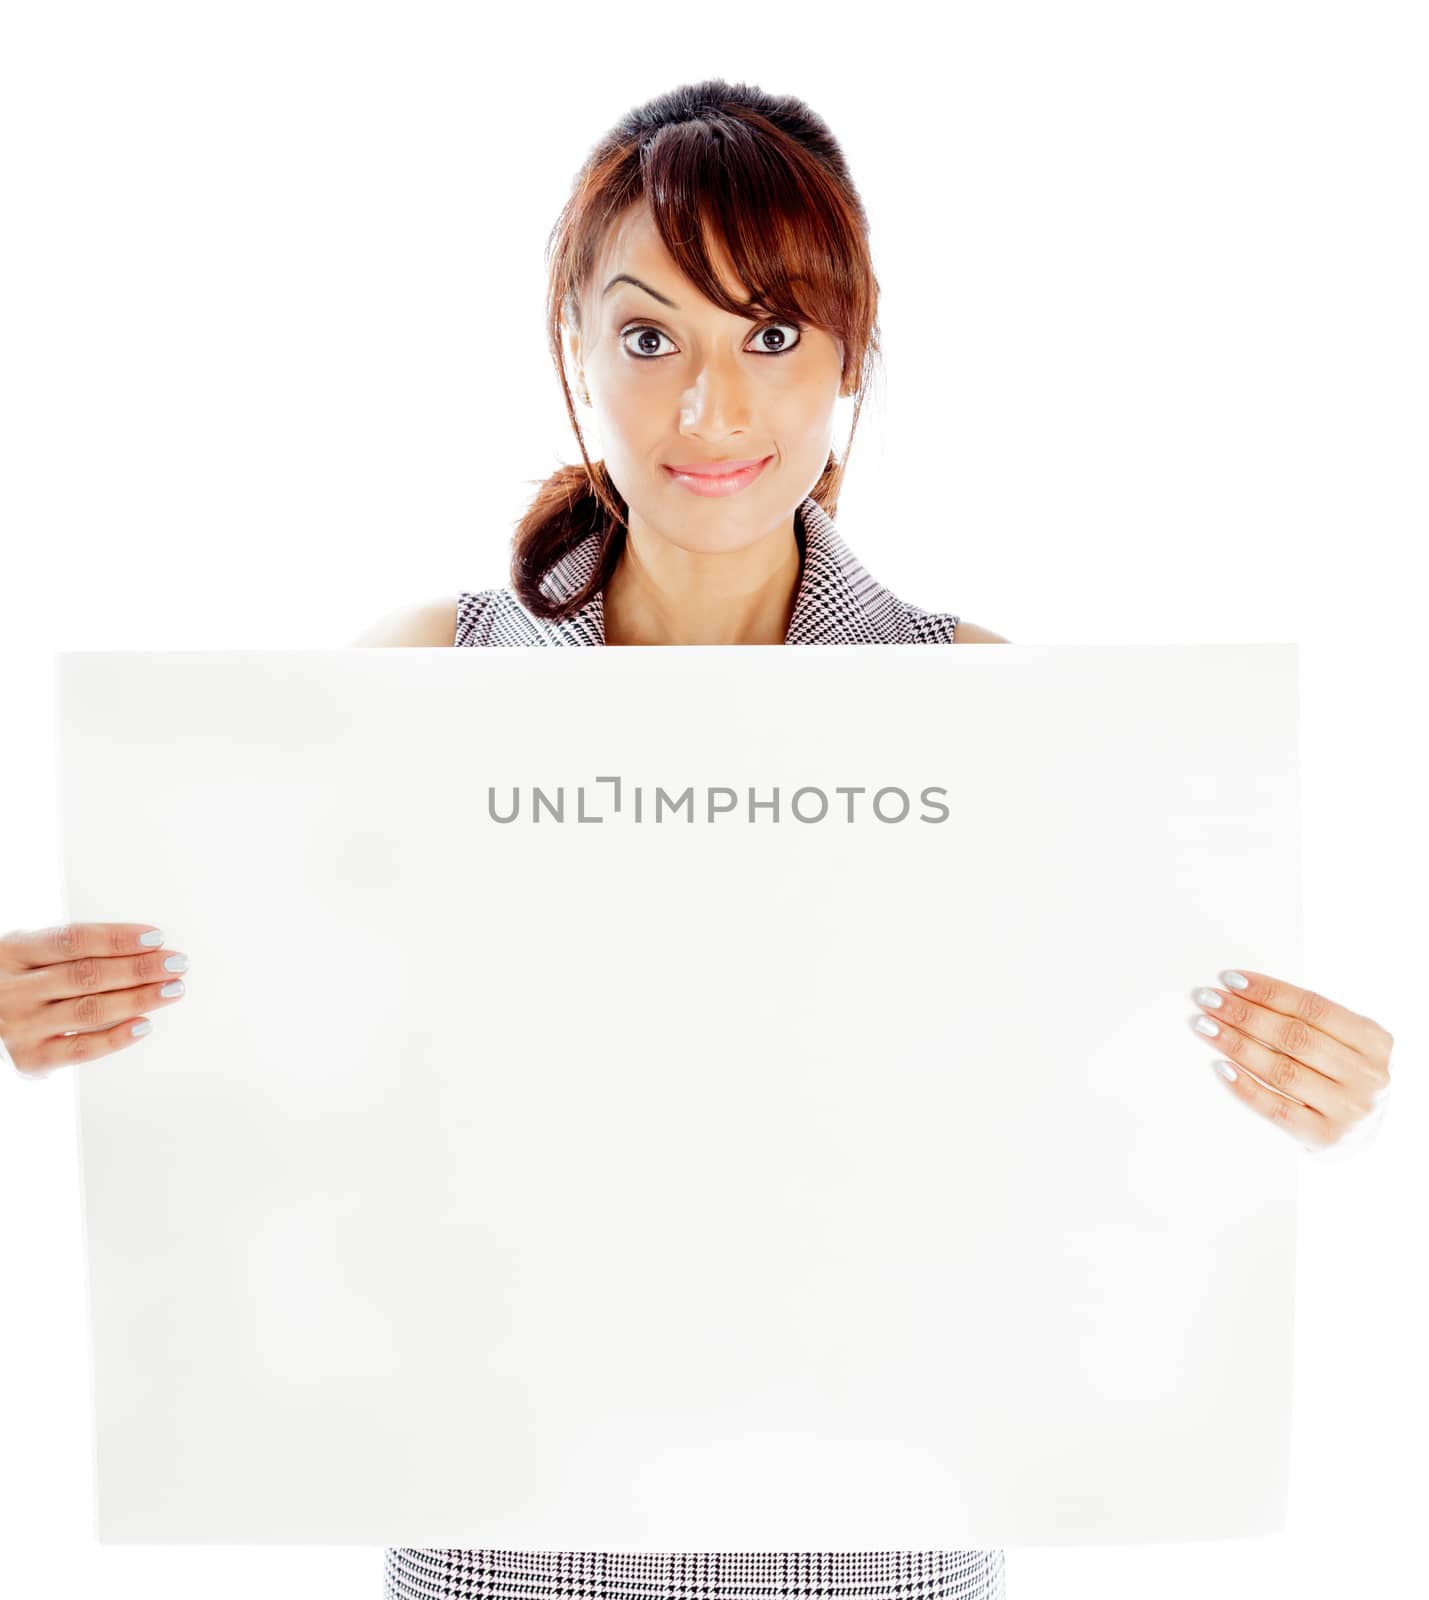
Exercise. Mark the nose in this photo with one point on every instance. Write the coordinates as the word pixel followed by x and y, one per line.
pixel 718 401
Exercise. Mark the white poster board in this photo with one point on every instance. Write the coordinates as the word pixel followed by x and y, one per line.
pixel 661 1179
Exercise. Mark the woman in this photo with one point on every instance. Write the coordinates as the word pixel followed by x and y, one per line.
pixel 711 275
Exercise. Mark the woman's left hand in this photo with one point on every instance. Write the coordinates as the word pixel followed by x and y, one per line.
pixel 1330 1065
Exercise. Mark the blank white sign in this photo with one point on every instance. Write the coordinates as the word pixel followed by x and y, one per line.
pixel 658 1169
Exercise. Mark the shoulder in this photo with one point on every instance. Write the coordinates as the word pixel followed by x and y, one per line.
pixel 970 633
pixel 919 626
pixel 943 627
pixel 432 623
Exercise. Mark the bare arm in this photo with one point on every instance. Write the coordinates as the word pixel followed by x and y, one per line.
pixel 970 633
pixel 431 624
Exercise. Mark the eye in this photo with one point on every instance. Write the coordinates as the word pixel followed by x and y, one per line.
pixel 759 333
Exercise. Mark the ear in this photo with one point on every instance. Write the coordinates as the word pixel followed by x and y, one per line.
pixel 573 345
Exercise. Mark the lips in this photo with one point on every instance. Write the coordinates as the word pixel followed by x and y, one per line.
pixel 717 479
pixel 712 469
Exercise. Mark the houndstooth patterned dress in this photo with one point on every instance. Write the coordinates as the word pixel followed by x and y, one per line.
pixel 837 602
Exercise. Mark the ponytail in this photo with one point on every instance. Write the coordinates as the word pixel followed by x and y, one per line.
pixel 570 505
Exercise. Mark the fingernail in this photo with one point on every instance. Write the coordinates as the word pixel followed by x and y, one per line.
pixel 176 963
pixel 1206 1026
pixel 154 938
pixel 1236 980
pixel 141 1027
pixel 1208 997
pixel 1226 1070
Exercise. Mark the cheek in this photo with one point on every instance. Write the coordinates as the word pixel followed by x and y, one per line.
pixel 802 416
pixel 633 400
pixel 626 418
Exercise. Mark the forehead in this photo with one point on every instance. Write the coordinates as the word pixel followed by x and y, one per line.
pixel 634 245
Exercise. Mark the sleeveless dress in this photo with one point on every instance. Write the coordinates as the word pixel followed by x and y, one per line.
pixel 837 602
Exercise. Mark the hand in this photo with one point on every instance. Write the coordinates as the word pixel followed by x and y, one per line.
pixel 1329 1065
pixel 77 991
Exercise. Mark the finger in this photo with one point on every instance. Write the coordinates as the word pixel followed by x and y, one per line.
pixel 1282 1073
pixel 88 1013
pixel 67 941
pixel 89 975
pixel 1348 1027
pixel 42 1059
pixel 1287 1036
pixel 1304 1124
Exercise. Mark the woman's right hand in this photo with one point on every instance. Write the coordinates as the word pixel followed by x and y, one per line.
pixel 92 979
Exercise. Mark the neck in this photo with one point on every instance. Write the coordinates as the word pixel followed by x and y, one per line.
pixel 662 593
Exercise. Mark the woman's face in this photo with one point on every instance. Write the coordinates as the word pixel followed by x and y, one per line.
pixel 688 382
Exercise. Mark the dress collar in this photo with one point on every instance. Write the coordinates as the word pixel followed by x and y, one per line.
pixel 838 601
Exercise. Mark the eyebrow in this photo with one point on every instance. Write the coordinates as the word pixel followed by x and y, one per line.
pixel 624 277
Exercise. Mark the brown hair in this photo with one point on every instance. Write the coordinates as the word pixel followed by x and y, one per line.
pixel 763 174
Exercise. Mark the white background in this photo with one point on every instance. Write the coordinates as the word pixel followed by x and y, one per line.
pixel 272 363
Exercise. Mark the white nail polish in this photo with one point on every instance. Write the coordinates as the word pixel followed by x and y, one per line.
pixel 1206 1026
pixel 1236 980
pixel 1208 997
pixel 1226 1070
